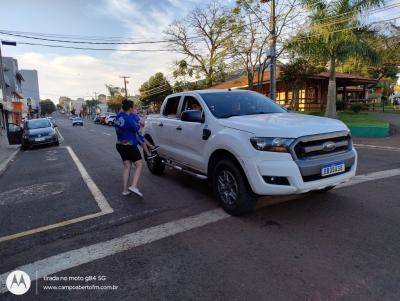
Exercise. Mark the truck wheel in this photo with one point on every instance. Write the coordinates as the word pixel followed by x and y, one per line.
pixel 231 188
pixel 156 166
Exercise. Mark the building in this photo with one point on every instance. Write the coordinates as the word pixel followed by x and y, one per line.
pixel 312 92
pixel 30 90
pixel 77 105
pixel 65 103
pixel 14 106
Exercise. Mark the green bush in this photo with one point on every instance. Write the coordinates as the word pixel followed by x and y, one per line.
pixel 340 105
pixel 356 107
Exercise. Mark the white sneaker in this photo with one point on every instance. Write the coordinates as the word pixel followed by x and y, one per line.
pixel 125 193
pixel 136 191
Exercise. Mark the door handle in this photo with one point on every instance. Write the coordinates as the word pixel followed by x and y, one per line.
pixel 179 128
pixel 160 124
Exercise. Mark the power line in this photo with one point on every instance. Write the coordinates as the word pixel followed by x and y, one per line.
pixel 96 49
pixel 344 29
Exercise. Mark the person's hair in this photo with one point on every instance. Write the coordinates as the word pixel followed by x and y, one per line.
pixel 127 104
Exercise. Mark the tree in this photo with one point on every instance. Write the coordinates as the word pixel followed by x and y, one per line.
pixel 155 90
pixel 115 102
pixel 295 72
pixel 385 39
pixel 91 105
pixel 334 41
pixel 251 34
pixel 47 107
pixel 205 55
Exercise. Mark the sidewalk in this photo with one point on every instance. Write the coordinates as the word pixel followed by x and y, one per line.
pixel 7 152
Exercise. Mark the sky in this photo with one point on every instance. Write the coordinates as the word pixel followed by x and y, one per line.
pixel 81 73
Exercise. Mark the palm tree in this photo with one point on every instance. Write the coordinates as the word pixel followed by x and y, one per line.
pixel 335 34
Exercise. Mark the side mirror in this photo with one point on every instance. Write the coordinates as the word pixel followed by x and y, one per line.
pixel 192 116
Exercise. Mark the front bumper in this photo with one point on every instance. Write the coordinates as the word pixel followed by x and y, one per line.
pixel 33 142
pixel 297 173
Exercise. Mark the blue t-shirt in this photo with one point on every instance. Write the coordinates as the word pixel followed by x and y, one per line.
pixel 126 128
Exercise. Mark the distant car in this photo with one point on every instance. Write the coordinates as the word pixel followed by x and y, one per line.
pixel 96 119
pixel 37 132
pixel 77 121
pixel 110 119
pixel 72 117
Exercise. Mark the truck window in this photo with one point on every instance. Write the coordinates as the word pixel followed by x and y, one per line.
pixel 191 103
pixel 171 107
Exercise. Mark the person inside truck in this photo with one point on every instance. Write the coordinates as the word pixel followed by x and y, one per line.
pixel 195 106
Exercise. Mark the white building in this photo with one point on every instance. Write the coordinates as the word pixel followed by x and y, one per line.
pixel 30 89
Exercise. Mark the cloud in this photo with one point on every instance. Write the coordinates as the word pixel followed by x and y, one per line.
pixel 73 75
pixel 80 74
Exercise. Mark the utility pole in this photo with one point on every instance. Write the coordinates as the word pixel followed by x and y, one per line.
pixel 125 82
pixel 272 51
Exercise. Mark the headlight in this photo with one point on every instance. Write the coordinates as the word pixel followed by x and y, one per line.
pixel 270 144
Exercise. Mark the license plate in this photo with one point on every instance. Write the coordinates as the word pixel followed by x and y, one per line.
pixel 39 139
pixel 331 169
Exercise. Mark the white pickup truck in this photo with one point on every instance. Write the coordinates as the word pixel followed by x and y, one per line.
pixel 247 146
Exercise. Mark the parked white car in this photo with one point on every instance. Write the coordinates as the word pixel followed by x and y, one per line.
pixel 246 146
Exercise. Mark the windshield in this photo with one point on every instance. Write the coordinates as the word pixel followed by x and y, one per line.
pixel 38 123
pixel 238 103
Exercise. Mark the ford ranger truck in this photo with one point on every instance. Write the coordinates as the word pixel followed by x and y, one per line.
pixel 247 146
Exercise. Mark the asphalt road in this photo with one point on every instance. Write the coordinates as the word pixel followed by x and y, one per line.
pixel 342 245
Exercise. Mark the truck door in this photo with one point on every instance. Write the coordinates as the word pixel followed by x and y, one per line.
pixel 165 127
pixel 190 136
pixel 14 134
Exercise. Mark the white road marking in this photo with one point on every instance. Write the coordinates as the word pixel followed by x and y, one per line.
pixel 371 177
pixel 59 134
pixel 108 134
pixel 97 194
pixel 74 258
pixel 100 250
pixel 370 146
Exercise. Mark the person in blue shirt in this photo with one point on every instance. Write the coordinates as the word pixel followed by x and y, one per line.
pixel 126 129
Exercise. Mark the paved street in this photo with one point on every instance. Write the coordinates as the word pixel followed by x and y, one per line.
pixel 62 214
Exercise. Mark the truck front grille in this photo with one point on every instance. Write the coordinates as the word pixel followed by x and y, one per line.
pixel 321 145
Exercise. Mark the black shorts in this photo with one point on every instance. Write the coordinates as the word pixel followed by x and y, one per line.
pixel 129 152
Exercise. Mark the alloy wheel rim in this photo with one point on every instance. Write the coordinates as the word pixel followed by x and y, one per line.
pixel 227 187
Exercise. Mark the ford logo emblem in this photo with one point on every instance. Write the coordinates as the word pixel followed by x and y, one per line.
pixel 329 146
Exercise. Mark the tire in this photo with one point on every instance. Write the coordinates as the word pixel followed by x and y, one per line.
pixel 110 123
pixel 156 166
pixel 57 143
pixel 231 188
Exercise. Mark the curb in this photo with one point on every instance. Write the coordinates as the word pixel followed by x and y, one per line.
pixel 6 162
